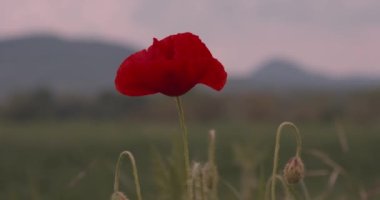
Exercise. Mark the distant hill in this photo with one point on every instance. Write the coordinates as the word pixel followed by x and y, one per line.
pixel 88 67
pixel 284 75
pixel 59 64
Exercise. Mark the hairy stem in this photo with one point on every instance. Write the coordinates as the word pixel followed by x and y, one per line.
pixel 185 141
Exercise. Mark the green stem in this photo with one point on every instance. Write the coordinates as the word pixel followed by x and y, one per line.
pixel 134 171
pixel 277 150
pixel 186 153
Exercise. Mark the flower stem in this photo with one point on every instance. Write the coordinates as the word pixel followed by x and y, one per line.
pixel 134 171
pixel 186 155
pixel 277 150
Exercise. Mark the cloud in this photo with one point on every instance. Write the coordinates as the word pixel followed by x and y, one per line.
pixel 348 14
pixel 338 36
pixel 332 15
pixel 100 19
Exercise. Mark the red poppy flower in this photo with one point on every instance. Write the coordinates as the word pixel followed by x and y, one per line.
pixel 171 66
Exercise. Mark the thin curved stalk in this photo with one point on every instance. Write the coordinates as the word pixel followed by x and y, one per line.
pixel 277 150
pixel 134 171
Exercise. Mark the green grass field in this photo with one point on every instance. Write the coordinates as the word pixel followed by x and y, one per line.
pixel 45 160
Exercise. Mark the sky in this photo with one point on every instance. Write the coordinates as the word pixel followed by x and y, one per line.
pixel 335 37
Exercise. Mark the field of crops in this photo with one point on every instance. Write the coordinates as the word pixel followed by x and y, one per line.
pixel 76 159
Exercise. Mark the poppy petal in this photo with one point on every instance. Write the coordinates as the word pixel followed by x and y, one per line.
pixel 171 66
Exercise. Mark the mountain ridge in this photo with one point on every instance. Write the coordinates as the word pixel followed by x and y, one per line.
pixel 284 75
pixel 57 63
pixel 88 67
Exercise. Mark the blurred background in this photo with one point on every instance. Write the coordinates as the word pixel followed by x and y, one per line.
pixel 62 124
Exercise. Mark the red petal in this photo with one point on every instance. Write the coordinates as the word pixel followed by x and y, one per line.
pixel 171 66
pixel 215 76
pixel 131 77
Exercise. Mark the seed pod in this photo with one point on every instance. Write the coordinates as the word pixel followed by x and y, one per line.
pixel 294 170
pixel 118 196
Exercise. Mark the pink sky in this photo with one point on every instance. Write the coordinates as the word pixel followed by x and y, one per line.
pixel 337 37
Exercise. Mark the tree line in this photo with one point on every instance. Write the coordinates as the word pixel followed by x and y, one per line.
pixel 199 106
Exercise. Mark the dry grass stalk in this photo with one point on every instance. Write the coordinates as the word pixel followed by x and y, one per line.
pixel 342 137
pixel 336 171
pixel 118 196
pixel 327 160
pixel 248 181
pixel 197 187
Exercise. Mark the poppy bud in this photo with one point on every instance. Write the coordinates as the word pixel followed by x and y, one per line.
pixel 118 196
pixel 294 170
